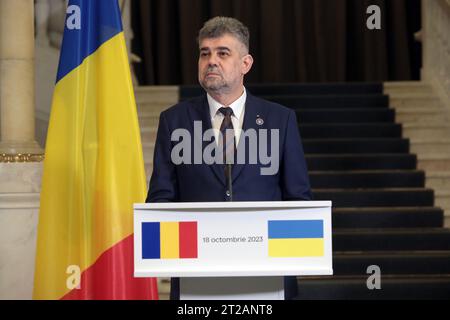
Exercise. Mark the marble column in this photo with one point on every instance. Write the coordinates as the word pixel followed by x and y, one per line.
pixel 125 6
pixel 42 12
pixel 20 155
pixel 17 99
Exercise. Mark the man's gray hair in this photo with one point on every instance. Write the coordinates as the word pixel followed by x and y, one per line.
pixel 219 26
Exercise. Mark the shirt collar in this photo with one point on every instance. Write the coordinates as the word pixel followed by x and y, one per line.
pixel 237 105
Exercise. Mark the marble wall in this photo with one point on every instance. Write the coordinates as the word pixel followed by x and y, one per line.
pixel 436 46
pixel 19 208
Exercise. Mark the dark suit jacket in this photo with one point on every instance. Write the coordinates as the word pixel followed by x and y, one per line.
pixel 203 182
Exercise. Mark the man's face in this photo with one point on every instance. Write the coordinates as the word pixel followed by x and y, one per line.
pixel 222 64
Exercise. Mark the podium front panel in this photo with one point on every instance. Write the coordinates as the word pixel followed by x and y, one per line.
pixel 223 239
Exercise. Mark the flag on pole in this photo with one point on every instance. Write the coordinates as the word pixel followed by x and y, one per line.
pixel 93 168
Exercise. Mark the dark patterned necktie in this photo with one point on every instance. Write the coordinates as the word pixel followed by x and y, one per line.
pixel 227 131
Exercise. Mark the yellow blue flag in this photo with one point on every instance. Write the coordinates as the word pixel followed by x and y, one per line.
pixel 296 238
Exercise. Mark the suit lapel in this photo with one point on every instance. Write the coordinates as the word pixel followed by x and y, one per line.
pixel 202 113
pixel 253 111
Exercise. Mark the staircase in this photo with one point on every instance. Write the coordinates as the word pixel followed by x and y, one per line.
pixel 384 211
pixel 426 123
pixel 151 101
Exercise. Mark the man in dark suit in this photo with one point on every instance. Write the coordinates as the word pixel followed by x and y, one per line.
pixel 270 168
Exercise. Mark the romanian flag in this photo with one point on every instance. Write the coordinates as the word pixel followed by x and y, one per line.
pixel 296 238
pixel 169 240
pixel 94 168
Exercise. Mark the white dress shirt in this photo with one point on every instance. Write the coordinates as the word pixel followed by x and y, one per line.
pixel 237 118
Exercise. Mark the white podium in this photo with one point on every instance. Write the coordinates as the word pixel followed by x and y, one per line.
pixel 232 250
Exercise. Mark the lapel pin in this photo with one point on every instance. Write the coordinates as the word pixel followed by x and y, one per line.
pixel 259 121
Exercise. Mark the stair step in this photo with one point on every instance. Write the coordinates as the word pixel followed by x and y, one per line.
pixel 148 135
pixel 187 91
pixel 399 262
pixel 153 108
pixel 447 222
pixel 392 287
pixel 407 197
pixel 148 153
pixel 361 161
pixel 345 115
pixel 391 239
pixel 149 121
pixel 394 88
pixel 356 145
pixel 435 115
pixel 434 162
pixel 331 101
pixel 387 217
pixel 149 129
pixel 427 146
pixel 367 179
pixel 425 130
pixel 348 130
pixel 148 172
pixel 157 94
pixel 439 180
pixel 421 110
pixel 442 198
pixel 414 100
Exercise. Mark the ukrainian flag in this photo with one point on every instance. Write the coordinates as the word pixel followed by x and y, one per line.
pixel 296 238
pixel 93 168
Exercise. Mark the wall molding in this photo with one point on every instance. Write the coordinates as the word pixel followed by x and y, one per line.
pixel 19 201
